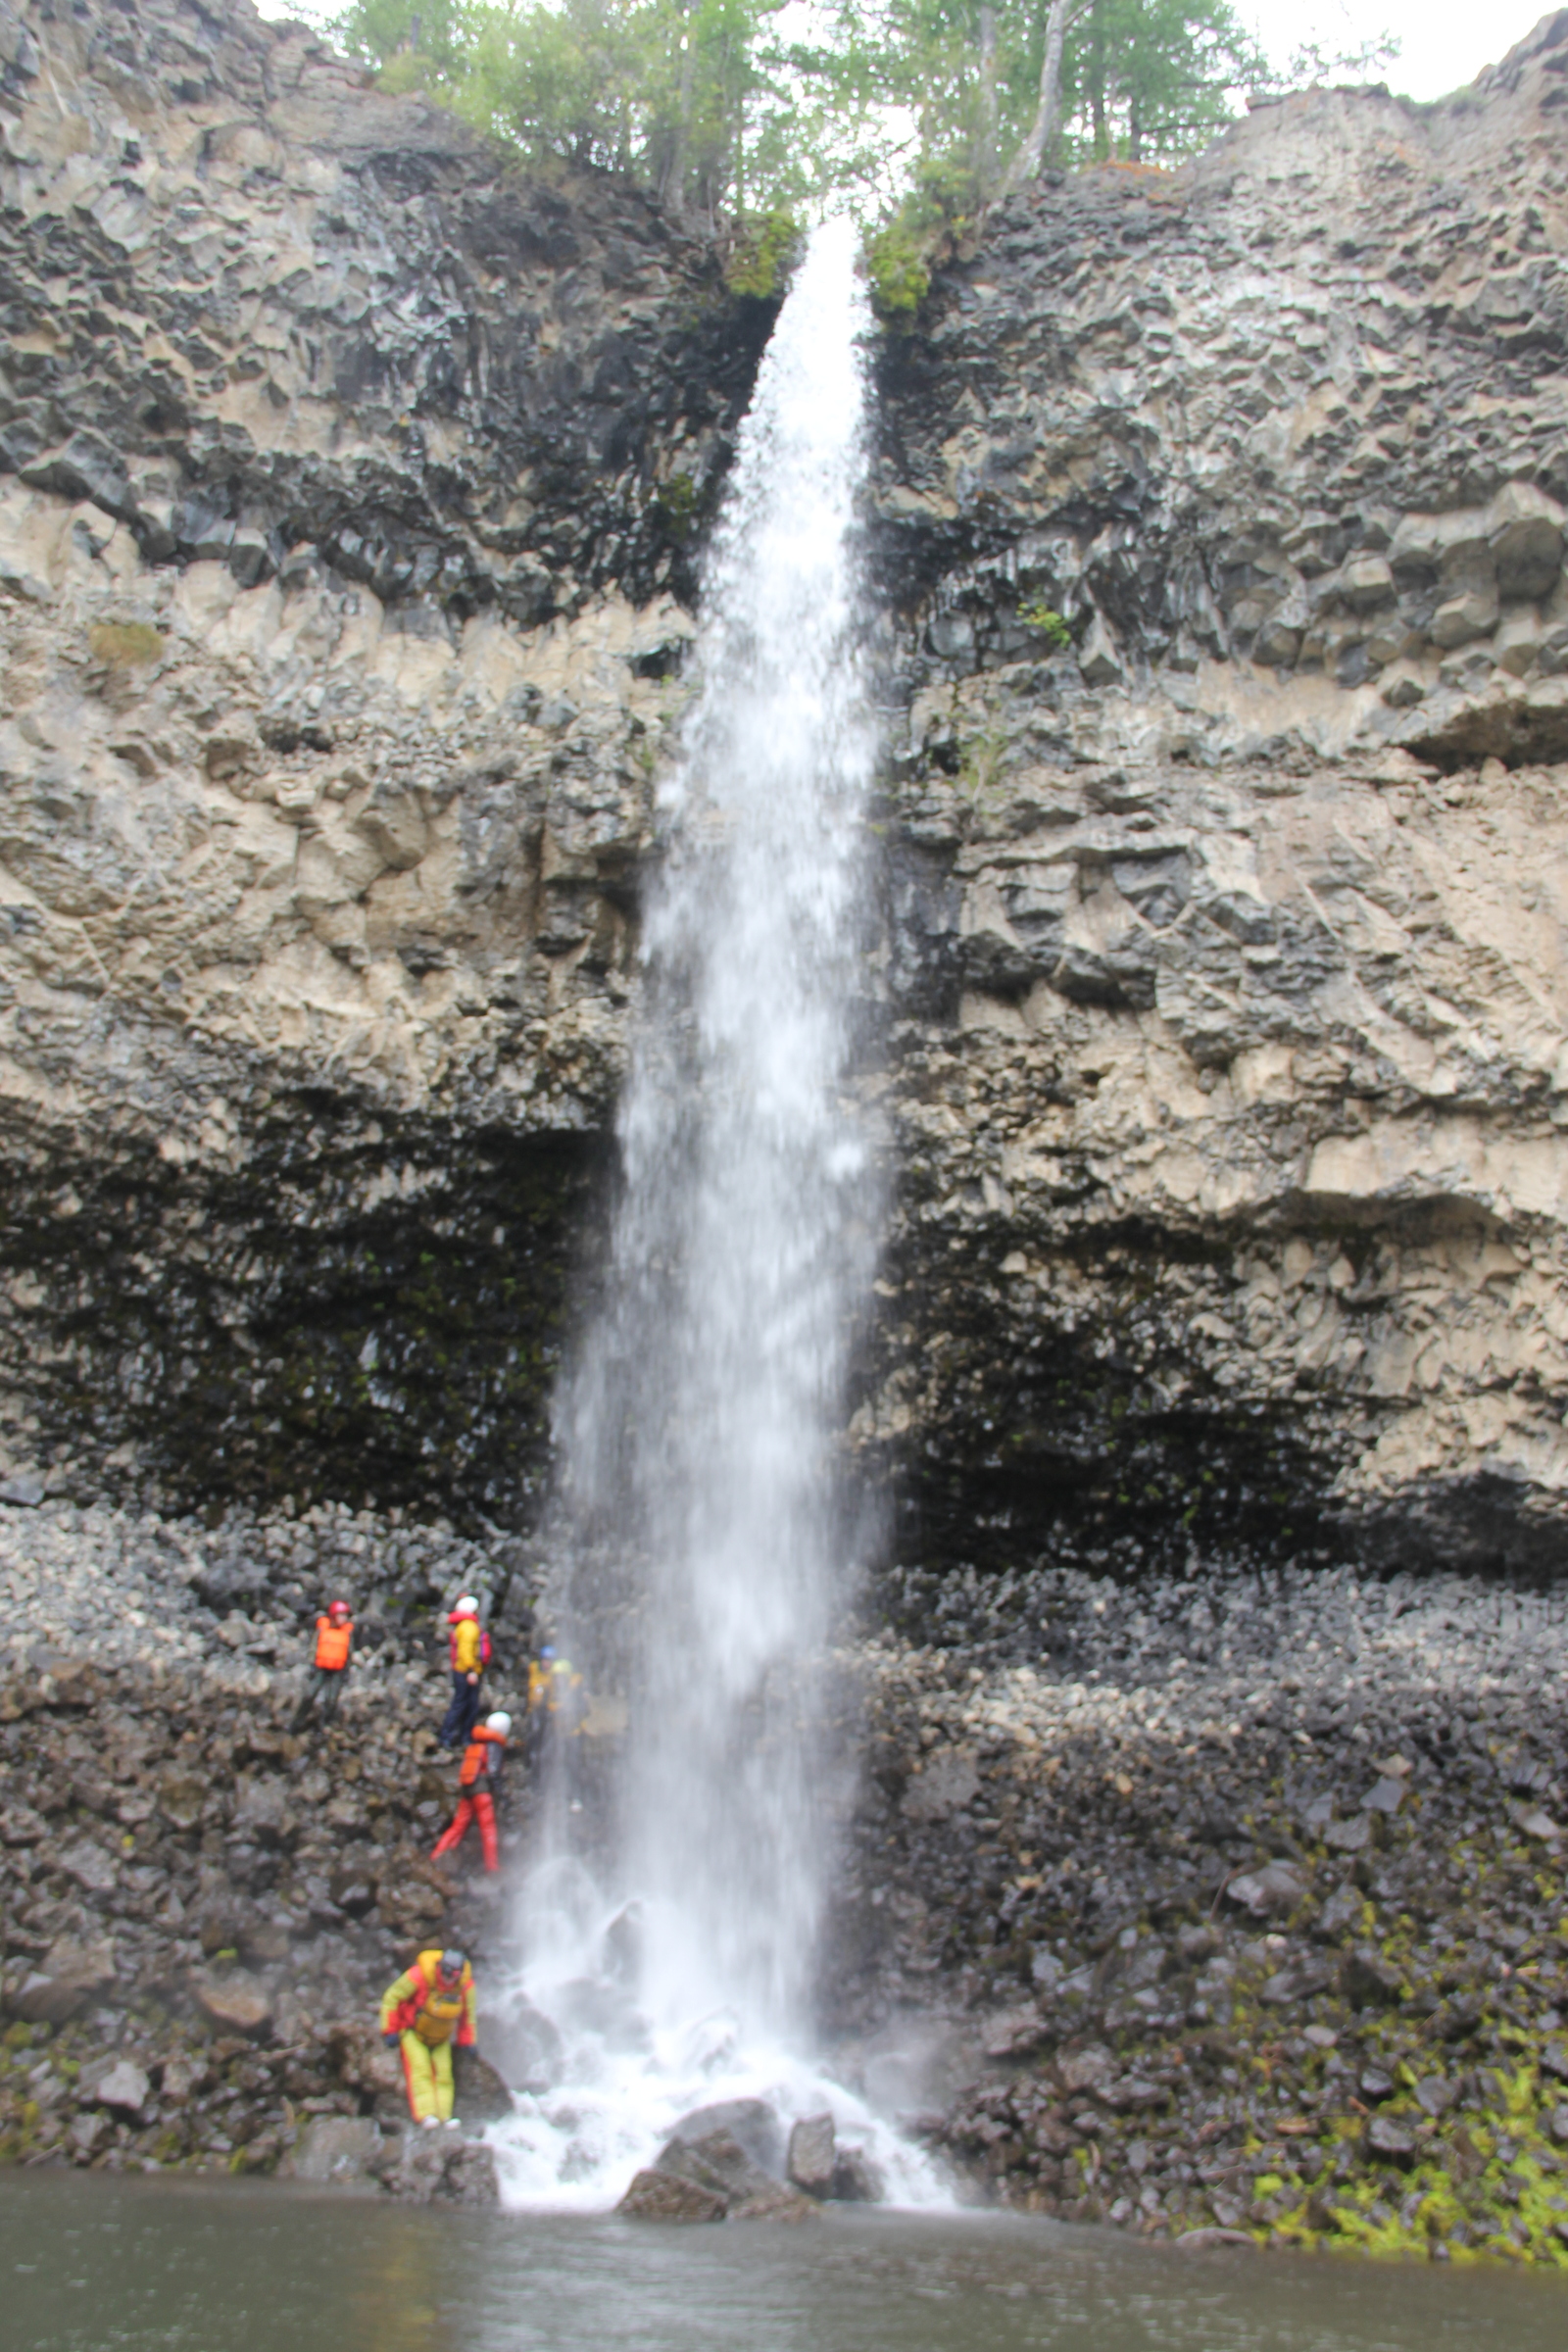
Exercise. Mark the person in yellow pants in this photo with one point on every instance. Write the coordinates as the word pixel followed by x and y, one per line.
pixel 432 2006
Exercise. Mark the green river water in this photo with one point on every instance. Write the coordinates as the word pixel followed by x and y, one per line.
pixel 89 2263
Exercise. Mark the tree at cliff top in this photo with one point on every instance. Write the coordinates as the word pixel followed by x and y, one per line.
pixel 992 91
pixel 688 96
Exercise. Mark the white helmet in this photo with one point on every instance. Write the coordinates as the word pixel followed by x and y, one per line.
pixel 468 1606
pixel 497 1723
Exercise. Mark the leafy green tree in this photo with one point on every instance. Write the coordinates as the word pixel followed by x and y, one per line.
pixel 687 95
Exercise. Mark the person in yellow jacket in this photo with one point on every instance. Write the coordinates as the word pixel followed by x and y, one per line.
pixel 470 1649
pixel 431 2006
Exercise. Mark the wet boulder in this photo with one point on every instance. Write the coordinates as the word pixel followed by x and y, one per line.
pixel 92 1867
pixel 124 2089
pixel 1277 1890
pixel 261 1813
pixel 750 2121
pixel 857 2179
pixel 333 2147
pixel 523 2043
pixel 655 2197
pixel 813 2151
pixel 716 2162
pixel 1370 1982
pixel 236 2002
pixel 70 1975
pixel 481 2092
pixel 1083 2069
pixel 421 2168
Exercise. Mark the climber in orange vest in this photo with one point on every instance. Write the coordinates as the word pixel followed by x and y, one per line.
pixel 334 1638
pixel 476 1779
pixel 431 2006
pixel 470 1649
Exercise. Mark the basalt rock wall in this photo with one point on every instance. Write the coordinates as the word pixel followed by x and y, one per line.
pixel 351 480
pixel 1223 514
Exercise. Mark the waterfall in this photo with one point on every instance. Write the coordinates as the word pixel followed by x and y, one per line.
pixel 700 1424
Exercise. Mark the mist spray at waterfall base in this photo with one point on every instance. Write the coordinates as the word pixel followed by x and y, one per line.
pixel 701 1516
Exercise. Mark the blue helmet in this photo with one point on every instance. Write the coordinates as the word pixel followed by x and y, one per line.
pixel 548 1650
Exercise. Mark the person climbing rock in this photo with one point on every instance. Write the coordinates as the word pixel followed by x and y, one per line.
pixel 556 1704
pixel 323 1686
pixel 431 2006
pixel 480 1771
pixel 470 1649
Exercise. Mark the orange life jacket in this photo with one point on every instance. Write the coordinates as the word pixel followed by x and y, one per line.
pixel 477 1764
pixel 333 1642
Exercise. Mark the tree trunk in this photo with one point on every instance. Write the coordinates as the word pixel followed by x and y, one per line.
pixel 1135 134
pixel 672 174
pixel 988 97
pixel 1097 79
pixel 1043 129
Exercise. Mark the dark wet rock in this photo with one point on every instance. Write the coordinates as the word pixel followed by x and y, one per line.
pixel 523 2043
pixel 1016 2032
pixel 334 2147
pixel 857 2179
pixel 1387 2137
pixel 752 2124
pixel 87 1862
pixel 1341 1910
pixel 718 2162
pixel 425 2167
pixel 1350 1837
pixel 125 2087
pixel 812 2150
pixel 947 1783
pixel 775 2202
pixel 1293 1985
pixel 661 2196
pixel 237 2002
pixel 1084 2069
pixel 1368 1980
pixel 1277 1890
pixel 481 2095
pixel 71 1975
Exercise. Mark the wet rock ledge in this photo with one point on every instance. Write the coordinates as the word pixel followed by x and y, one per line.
pixel 1242 1899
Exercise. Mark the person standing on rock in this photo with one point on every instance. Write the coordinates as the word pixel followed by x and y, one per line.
pixel 470 1654
pixel 478 1779
pixel 324 1688
pixel 431 2006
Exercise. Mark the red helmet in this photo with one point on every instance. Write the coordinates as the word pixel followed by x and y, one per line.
pixel 337 1608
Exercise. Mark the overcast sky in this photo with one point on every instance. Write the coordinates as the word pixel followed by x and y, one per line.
pixel 1442 43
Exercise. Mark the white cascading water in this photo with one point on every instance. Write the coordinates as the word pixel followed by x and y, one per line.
pixel 699 1426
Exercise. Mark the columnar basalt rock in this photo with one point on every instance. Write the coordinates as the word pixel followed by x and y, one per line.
pixel 350 483
pixel 1224 513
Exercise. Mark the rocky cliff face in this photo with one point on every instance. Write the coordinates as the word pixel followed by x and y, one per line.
pixel 1224 514
pixel 353 484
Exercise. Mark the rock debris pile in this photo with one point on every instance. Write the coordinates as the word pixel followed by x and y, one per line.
pixel 1246 1896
